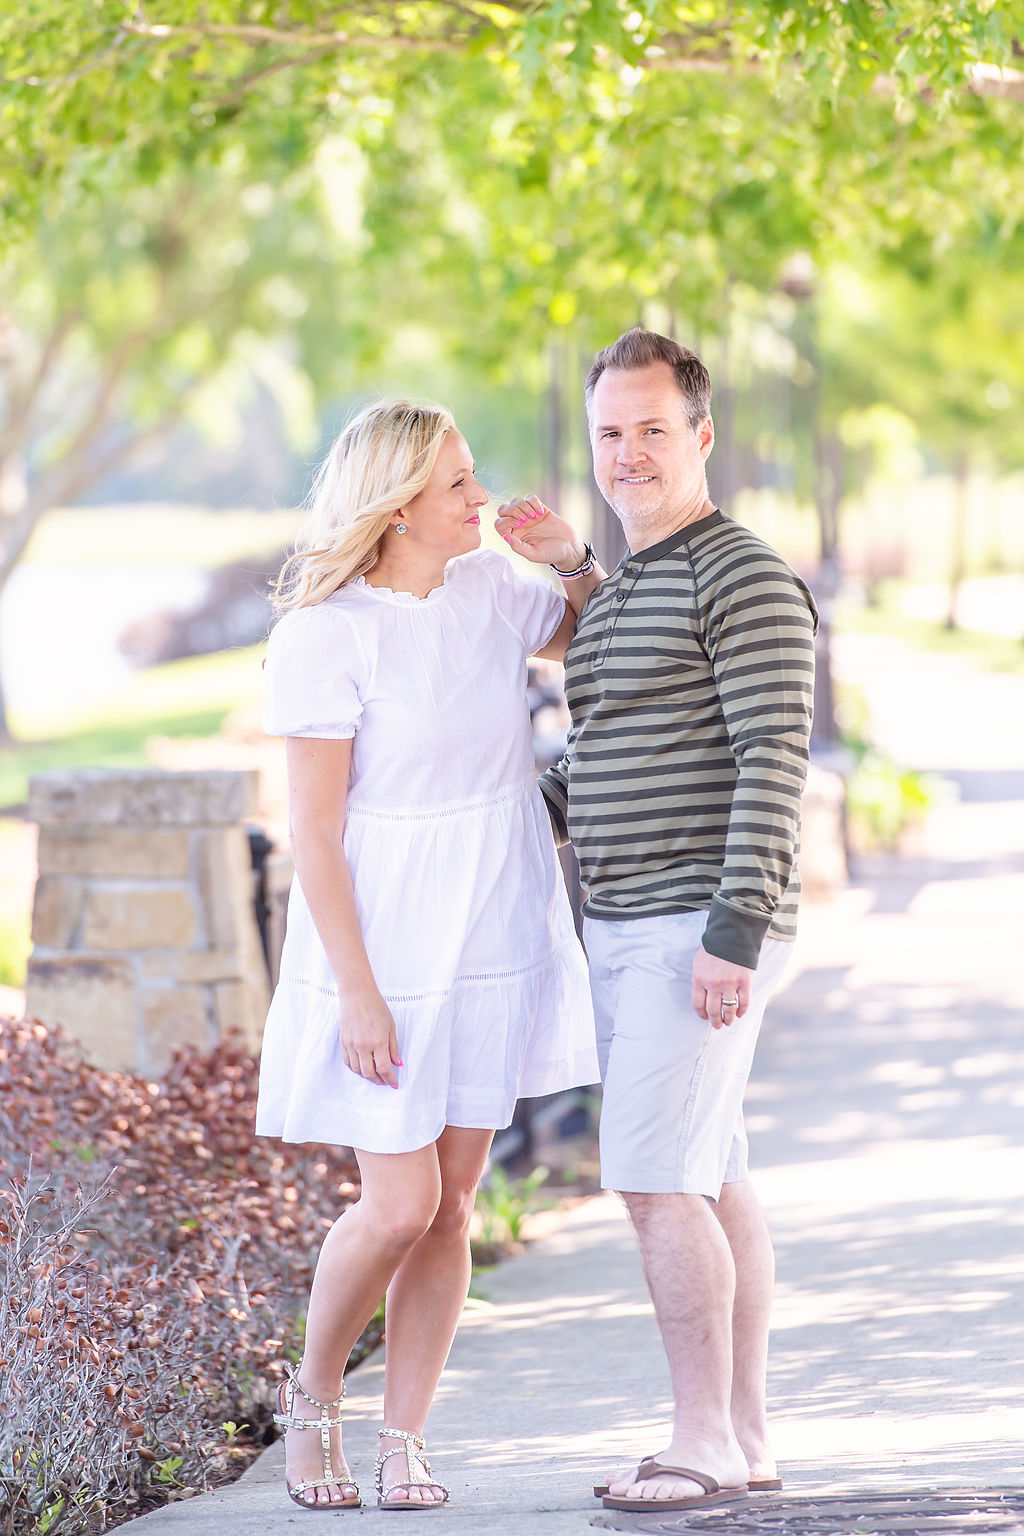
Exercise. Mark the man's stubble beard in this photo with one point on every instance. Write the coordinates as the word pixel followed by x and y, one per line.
pixel 639 515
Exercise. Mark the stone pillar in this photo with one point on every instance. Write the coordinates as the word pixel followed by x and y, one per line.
pixel 143 926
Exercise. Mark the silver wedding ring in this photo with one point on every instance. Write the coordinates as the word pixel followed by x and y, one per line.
pixel 730 1002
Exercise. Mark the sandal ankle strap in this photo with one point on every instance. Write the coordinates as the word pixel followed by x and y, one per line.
pixel 289 1421
pixel 336 1402
pixel 400 1434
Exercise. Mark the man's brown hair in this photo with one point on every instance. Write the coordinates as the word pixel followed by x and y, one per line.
pixel 640 348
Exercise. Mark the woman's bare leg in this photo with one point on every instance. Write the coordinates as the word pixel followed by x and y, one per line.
pixel 426 1297
pixel 367 1244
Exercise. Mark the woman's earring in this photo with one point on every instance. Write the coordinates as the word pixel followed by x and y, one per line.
pixel 401 528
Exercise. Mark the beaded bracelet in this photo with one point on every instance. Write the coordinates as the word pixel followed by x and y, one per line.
pixel 582 570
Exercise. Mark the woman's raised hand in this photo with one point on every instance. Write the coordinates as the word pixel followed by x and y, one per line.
pixel 534 531
pixel 369 1042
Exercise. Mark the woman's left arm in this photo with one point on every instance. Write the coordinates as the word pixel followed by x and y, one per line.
pixel 532 530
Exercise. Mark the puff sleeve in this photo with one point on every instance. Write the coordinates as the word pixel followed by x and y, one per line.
pixel 314 671
pixel 528 604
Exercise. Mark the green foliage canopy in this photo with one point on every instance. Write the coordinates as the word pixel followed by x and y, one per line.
pixel 713 98
pixel 503 170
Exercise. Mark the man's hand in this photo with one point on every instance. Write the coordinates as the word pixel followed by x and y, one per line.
pixel 534 531
pixel 721 989
pixel 369 1042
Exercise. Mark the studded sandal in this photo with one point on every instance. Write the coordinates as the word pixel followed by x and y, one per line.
pixel 420 1475
pixel 286 1419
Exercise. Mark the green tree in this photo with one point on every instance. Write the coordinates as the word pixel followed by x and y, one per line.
pixel 495 171
pixel 120 322
pixel 941 343
pixel 118 90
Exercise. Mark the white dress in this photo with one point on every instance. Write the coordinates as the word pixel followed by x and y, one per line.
pixel 459 893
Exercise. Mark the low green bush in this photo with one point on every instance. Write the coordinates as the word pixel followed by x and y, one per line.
pixel 504 1204
pixel 884 800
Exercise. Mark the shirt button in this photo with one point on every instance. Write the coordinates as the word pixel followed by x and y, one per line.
pixel 620 597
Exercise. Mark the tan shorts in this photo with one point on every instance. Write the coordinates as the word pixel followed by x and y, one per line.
pixel 672 1117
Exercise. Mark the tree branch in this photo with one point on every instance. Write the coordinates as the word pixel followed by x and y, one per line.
pixel 248 82
pixel 55 491
pixel 96 416
pixel 988 80
pixel 281 37
pixel 673 51
pixel 80 477
pixel 121 36
pixel 656 57
pixel 24 396
pixel 15 533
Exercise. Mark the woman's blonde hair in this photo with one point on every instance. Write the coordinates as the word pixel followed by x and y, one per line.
pixel 381 460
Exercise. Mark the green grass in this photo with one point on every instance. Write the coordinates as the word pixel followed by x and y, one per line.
pixel 182 698
pixel 993 653
pixel 106 745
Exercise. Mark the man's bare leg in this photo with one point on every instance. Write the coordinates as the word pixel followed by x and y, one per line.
pixel 742 1220
pixel 690 1274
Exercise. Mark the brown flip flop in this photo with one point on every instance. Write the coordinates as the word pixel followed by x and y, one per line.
pixel 756 1484
pixel 600 1489
pixel 713 1493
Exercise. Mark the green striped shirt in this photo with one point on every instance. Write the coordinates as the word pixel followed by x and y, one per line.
pixel 690 682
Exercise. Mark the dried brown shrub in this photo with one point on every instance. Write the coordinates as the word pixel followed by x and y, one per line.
pixel 155 1259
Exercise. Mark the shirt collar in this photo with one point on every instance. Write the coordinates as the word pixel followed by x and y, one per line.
pixel 681 536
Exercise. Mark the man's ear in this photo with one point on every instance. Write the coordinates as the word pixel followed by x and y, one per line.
pixel 706 436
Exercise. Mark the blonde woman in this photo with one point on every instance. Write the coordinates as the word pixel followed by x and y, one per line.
pixel 431 972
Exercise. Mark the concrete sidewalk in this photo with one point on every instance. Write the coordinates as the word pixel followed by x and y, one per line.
pixel 885 1116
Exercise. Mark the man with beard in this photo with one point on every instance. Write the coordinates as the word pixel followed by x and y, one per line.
pixel 690 683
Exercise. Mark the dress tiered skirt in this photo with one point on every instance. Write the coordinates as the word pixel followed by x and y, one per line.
pixel 470 937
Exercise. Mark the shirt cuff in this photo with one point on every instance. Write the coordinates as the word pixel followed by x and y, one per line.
pixel 556 808
pixel 734 936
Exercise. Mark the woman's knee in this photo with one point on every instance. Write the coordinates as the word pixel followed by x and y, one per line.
pixel 399 1197
pixel 401 1223
pixel 399 1213
pixel 455 1210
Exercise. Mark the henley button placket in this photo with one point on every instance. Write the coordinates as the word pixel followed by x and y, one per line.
pixel 627 577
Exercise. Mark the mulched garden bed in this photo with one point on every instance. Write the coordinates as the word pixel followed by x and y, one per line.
pixel 155 1258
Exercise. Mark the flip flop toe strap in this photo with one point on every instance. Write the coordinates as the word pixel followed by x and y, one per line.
pixel 651 1468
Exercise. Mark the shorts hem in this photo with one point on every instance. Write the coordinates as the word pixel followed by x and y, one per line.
pixel 650 1184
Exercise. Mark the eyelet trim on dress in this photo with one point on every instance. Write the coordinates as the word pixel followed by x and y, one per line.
pixel 468 978
pixel 439 812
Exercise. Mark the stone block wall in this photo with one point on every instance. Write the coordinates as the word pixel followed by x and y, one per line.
pixel 143 926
